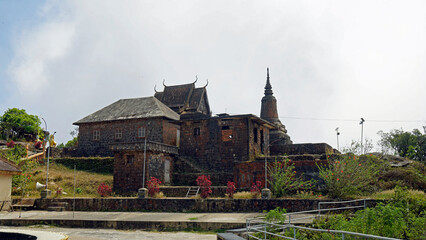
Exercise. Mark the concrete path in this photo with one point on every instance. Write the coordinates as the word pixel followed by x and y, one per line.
pixel 111 234
pixel 129 220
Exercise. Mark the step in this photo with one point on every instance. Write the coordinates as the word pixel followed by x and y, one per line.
pixel 55 209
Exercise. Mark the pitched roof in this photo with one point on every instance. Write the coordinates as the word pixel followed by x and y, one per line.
pixel 185 98
pixel 133 108
pixel 7 167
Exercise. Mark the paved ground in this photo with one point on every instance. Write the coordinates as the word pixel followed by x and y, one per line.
pixel 133 216
pixel 111 234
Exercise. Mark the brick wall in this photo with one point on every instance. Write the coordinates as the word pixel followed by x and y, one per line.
pixel 157 129
pixel 246 173
pixel 128 169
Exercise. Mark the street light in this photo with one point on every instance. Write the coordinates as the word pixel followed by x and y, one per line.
pixel 362 131
pixel 337 133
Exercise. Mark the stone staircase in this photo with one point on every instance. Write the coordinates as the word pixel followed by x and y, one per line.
pixel 57 207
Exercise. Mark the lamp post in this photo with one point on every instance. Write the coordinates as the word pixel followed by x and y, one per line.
pixel 337 133
pixel 362 132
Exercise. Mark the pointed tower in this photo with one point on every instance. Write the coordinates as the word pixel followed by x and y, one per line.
pixel 269 112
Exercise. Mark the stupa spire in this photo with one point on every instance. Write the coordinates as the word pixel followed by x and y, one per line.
pixel 268 87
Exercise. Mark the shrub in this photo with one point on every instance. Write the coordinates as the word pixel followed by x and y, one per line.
pixel 348 176
pixel 153 186
pixel 104 190
pixel 230 190
pixel 204 183
pixel 38 144
pixel 10 144
pixel 255 189
pixel 276 215
pixel 284 180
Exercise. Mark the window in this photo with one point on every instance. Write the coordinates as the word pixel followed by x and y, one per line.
pixel 196 131
pixel 225 127
pixel 96 135
pixel 255 135
pixel 141 132
pixel 130 159
pixel 118 133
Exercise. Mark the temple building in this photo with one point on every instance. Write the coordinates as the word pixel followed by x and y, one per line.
pixel 174 137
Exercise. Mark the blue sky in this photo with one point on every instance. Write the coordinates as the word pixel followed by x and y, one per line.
pixel 331 62
pixel 15 16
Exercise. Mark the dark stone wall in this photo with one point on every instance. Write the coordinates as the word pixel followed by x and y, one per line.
pixel 157 129
pixel 301 148
pixel 188 205
pixel 219 144
pixel 128 169
pixel 246 173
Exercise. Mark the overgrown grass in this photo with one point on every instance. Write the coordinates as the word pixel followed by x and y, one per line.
pixel 63 177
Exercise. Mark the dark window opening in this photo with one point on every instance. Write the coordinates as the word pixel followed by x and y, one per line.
pixel 196 131
pixel 262 142
pixel 255 135
pixel 225 127
pixel 130 159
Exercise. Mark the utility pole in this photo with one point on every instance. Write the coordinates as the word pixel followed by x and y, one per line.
pixel 337 133
pixel 362 132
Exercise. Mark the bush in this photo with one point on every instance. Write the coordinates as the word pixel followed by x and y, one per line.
pixel 104 190
pixel 284 180
pixel 348 176
pixel 255 189
pixel 230 190
pixel 204 183
pixel 10 144
pixel 153 186
pixel 38 145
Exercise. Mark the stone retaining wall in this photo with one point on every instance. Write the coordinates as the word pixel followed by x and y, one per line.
pixel 183 204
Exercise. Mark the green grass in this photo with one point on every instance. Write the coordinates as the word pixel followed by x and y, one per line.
pixel 63 177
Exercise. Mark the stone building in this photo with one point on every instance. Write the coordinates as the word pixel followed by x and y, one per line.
pixel 174 137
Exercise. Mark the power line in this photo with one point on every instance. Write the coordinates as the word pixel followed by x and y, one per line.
pixel 341 120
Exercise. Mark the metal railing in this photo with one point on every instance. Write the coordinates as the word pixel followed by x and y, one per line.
pixel 272 229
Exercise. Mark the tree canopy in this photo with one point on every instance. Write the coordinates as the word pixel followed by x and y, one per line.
pixel 17 124
pixel 406 144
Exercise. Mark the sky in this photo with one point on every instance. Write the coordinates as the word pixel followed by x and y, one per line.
pixel 331 62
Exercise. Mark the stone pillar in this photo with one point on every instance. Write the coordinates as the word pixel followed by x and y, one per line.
pixel 266 193
pixel 142 193
pixel 45 193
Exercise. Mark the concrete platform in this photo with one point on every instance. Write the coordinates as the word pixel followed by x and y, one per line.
pixel 129 220
pixel 29 234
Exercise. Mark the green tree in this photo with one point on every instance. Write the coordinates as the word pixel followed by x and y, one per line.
pixel 406 144
pixel 17 124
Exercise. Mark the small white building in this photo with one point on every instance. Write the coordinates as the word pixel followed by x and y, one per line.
pixel 7 170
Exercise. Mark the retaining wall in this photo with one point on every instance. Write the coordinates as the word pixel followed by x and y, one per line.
pixel 183 204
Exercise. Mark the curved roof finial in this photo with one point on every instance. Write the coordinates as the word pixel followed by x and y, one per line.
pixel 196 79
pixel 207 80
pixel 155 88
pixel 164 80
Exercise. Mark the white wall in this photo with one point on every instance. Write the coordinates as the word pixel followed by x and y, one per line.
pixel 5 188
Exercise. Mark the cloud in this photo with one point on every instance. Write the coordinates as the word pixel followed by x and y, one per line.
pixel 328 59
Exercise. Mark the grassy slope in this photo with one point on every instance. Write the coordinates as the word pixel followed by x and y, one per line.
pixel 61 176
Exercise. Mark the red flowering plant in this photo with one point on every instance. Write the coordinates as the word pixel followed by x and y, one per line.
pixel 255 189
pixel 10 144
pixel 104 190
pixel 204 182
pixel 153 186
pixel 285 181
pixel 349 175
pixel 38 144
pixel 230 190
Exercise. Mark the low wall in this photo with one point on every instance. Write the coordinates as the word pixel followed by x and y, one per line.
pixel 183 204
pixel 180 191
